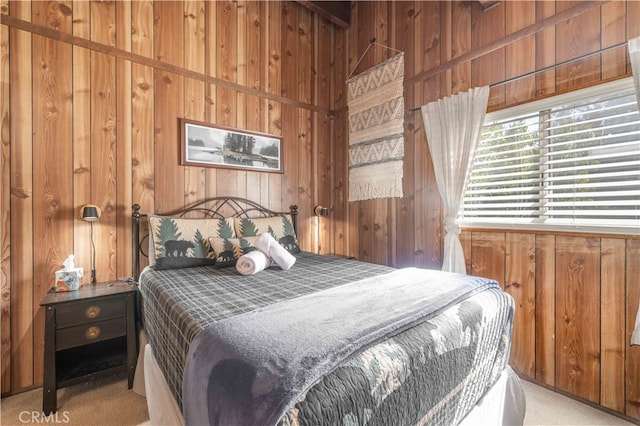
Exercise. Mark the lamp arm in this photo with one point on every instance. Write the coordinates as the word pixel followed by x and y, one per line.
pixel 93 257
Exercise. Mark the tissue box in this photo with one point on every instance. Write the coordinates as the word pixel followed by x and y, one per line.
pixel 68 280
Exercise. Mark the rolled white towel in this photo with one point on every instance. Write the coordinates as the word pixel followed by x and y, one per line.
pixel 252 262
pixel 267 244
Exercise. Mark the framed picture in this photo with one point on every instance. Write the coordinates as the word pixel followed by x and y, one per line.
pixel 205 145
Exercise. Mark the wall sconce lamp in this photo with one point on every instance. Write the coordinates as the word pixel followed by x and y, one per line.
pixel 321 211
pixel 91 213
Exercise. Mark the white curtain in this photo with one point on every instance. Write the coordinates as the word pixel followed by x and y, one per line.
pixel 634 54
pixel 453 126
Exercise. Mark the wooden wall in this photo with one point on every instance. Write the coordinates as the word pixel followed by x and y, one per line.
pixel 91 97
pixel 576 300
pixel 576 295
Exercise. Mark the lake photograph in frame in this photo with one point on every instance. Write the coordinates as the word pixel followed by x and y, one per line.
pixel 206 145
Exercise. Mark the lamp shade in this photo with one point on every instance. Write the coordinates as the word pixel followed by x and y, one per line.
pixel 321 211
pixel 91 212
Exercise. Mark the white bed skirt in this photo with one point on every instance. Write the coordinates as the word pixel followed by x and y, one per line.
pixel 503 404
pixel 163 408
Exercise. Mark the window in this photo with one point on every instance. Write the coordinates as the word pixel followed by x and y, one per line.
pixel 571 162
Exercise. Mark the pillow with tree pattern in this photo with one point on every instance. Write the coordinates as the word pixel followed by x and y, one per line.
pixel 280 228
pixel 227 251
pixel 183 242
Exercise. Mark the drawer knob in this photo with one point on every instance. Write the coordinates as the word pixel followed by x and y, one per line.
pixel 92 311
pixel 92 333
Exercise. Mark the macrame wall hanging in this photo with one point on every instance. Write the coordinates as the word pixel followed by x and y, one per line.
pixel 376 119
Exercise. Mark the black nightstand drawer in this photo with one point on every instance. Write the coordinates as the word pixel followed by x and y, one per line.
pixel 89 333
pixel 80 313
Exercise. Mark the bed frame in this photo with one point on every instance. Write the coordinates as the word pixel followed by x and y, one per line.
pixel 214 208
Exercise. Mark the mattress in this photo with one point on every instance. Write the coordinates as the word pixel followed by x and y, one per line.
pixel 397 378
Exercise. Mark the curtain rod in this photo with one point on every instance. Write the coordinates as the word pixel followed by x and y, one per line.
pixel 372 42
pixel 547 68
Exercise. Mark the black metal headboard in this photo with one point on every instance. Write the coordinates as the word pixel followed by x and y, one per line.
pixel 215 208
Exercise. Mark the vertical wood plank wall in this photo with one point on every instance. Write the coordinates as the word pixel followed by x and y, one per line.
pixel 92 93
pixel 575 309
pixel 91 97
pixel 576 295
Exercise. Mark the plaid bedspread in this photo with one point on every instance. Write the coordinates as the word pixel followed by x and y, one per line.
pixel 178 303
pixel 433 373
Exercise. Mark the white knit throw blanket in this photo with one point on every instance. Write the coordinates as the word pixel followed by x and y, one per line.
pixel 376 143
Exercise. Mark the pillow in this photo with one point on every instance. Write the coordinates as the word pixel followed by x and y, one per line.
pixel 280 228
pixel 227 251
pixel 183 243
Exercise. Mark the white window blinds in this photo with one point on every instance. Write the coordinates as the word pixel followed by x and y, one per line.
pixel 570 161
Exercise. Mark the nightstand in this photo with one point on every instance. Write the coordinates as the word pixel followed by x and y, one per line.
pixel 88 333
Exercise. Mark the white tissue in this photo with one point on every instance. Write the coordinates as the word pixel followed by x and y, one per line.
pixel 68 263
pixel 69 278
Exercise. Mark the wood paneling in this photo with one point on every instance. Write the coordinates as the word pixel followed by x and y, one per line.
pixel 103 160
pixel 20 340
pixel 143 176
pixel 257 183
pixel 487 27
pixel 632 353
pixel 577 316
pixel 52 138
pixel 545 51
pixel 632 14
pixel 82 171
pixel 98 87
pixel 92 117
pixel 520 56
pixel 5 213
pixel 520 284
pixel 612 324
pixel 488 255
pixel 571 295
pixel 545 308
pixel 273 62
pixel 169 92
pixel 142 111
pixel 574 38
pixel 142 28
pixel 303 148
pixel 322 152
pixel 613 31
pixel 427 213
pixel 381 245
pixel 405 211
pixel 123 146
pixel 194 98
pixel 169 175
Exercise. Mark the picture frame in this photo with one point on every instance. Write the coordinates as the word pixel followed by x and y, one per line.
pixel 206 145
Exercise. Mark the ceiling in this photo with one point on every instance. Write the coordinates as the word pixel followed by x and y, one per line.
pixel 339 12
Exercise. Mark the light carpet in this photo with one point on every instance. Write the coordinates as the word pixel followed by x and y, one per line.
pixel 105 401
pixel 545 407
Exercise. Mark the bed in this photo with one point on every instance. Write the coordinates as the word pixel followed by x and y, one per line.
pixel 393 346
